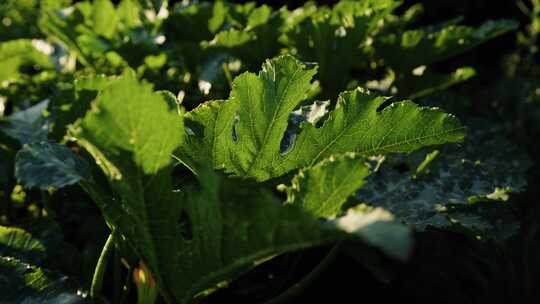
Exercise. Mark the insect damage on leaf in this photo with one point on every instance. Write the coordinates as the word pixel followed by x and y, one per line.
pixel 257 115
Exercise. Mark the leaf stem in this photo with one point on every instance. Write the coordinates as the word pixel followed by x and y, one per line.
pixel 294 291
pixel 99 272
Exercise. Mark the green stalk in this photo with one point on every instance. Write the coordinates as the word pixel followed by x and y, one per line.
pixel 99 272
pixel 297 289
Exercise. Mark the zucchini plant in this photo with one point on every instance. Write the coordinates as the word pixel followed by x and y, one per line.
pixel 193 236
pixel 205 164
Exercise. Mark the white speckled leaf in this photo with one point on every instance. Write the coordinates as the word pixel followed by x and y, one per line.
pixel 485 167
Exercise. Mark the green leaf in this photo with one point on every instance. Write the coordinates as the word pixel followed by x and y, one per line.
pixel 73 101
pixel 196 22
pixel 256 40
pixel 195 237
pixel 40 243
pixel 246 131
pixel 124 118
pixel 20 15
pixel 257 113
pixel 44 164
pixel 419 47
pixel 24 283
pixel 416 86
pixel 214 233
pixel 104 17
pixel 19 53
pixel 19 244
pixel 56 26
pixel 131 132
pixel 128 13
pixel 333 39
pixel 322 190
pixel 441 195
pixel 196 152
pixel 93 83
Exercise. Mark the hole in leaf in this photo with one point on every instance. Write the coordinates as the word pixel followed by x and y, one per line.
pixel 287 142
pixel 311 113
pixel 385 104
pixel 186 229
pixel 235 123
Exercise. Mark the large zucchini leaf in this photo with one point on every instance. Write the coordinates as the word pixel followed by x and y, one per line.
pixel 194 237
pixel 244 134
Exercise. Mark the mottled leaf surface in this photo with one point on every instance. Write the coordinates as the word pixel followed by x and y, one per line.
pixel 486 167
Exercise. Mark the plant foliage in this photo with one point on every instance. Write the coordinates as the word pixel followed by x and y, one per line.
pixel 215 137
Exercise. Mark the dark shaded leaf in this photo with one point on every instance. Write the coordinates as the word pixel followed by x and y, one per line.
pixel 486 167
pixel 45 164
pixel 29 125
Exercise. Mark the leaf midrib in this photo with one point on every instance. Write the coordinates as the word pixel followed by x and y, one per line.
pixel 372 150
pixel 337 189
pixel 407 141
pixel 272 122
